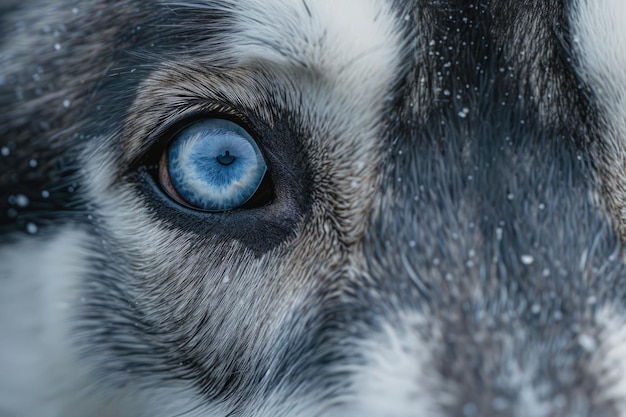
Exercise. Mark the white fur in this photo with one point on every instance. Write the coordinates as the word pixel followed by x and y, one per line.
pixel 600 38
pixel 610 358
pixel 341 60
pixel 398 377
pixel 37 295
pixel 600 43
pixel 351 43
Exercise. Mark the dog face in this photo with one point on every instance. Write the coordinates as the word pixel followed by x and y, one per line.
pixel 279 208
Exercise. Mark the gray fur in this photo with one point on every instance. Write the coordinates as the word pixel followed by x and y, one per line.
pixel 444 237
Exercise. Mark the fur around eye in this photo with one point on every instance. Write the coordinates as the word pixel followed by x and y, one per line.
pixel 213 165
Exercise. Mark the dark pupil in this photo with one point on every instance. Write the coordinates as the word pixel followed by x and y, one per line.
pixel 225 158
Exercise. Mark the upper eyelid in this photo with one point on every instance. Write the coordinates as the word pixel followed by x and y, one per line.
pixel 173 91
pixel 160 136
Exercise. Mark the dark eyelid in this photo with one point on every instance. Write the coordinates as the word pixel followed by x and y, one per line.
pixel 162 135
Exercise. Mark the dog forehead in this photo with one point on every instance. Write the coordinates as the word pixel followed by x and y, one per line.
pixel 343 39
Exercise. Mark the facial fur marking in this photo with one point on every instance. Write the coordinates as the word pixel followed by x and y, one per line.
pixel 41 317
pixel 600 46
pixel 610 356
pixel 385 384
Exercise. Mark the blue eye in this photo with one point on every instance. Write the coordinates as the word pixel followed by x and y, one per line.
pixel 215 165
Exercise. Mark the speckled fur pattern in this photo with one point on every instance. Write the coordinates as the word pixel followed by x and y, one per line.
pixel 444 237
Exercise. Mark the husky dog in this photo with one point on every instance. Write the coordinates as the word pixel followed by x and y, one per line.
pixel 270 208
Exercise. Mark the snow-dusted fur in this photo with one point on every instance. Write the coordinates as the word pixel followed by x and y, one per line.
pixel 442 237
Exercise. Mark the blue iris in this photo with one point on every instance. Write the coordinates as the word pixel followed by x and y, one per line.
pixel 215 165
